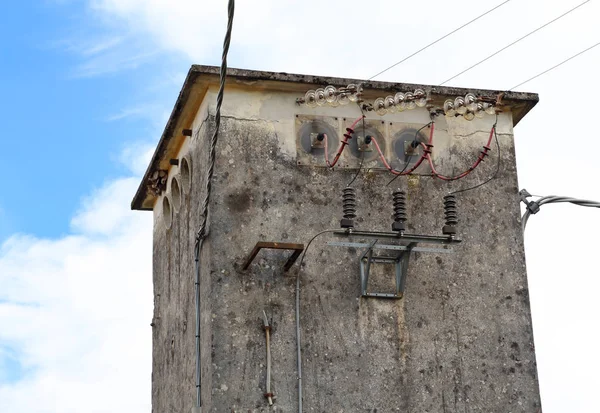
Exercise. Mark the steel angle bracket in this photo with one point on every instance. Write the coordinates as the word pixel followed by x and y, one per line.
pixel 296 248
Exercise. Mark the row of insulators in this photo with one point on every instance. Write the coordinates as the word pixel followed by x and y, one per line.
pixel 400 102
pixel 399 208
pixel 468 106
pixel 331 96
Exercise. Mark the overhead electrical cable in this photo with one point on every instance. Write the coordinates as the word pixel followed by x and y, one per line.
pixel 202 231
pixel 515 42
pixel 440 39
pixel 554 67
pixel 533 207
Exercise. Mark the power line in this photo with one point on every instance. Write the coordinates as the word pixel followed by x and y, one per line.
pixel 533 207
pixel 554 67
pixel 438 40
pixel 515 42
pixel 203 231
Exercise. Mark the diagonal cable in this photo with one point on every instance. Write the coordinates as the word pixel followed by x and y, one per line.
pixel 213 142
pixel 555 66
pixel 515 42
pixel 439 40
pixel 534 206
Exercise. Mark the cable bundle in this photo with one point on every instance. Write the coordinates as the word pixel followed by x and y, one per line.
pixel 534 206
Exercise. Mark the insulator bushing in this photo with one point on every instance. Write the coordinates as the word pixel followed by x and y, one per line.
pixel 348 207
pixel 450 214
pixel 399 198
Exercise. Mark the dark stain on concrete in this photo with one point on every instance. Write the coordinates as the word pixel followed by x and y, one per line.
pixel 239 201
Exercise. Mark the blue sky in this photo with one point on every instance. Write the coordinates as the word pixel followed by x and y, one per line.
pixel 87 86
pixel 70 108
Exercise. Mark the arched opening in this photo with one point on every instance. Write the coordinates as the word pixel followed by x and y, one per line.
pixel 167 212
pixel 186 171
pixel 175 193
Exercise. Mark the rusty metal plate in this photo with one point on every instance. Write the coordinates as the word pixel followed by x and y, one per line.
pixel 295 248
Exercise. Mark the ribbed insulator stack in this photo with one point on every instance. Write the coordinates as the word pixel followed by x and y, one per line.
pixel 451 215
pixel 348 207
pixel 399 199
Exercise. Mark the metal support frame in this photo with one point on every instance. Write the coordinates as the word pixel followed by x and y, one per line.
pixel 431 239
pixel 401 265
pixel 400 259
pixel 297 248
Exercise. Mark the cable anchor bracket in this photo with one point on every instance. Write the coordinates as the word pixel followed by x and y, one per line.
pixel 532 206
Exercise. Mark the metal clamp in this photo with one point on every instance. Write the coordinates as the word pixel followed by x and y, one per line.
pixel 532 206
pixel 297 248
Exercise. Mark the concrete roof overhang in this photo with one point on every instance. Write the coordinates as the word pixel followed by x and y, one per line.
pixel 200 78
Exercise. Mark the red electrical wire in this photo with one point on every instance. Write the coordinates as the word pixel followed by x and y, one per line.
pixel 424 155
pixel 427 155
pixel 356 122
pixel 343 143
pixel 480 158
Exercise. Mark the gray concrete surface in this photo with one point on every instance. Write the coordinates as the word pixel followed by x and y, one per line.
pixel 459 341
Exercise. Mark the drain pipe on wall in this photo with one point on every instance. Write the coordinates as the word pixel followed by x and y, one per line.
pixel 198 407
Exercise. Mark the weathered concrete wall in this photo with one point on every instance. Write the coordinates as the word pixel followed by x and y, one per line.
pixel 173 359
pixel 460 339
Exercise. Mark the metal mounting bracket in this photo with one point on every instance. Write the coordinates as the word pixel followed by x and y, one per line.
pixel 362 145
pixel 297 248
pixel 400 262
pixel 315 143
pixel 400 259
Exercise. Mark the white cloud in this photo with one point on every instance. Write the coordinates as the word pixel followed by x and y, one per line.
pixel 75 311
pixel 103 211
pixel 114 61
pixel 137 156
pixel 351 38
pixel 88 46
pixel 102 46
pixel 142 110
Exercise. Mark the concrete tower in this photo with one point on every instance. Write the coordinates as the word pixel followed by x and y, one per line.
pixel 391 319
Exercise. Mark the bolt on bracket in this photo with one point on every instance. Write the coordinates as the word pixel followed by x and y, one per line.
pixel 317 141
pixel 364 144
